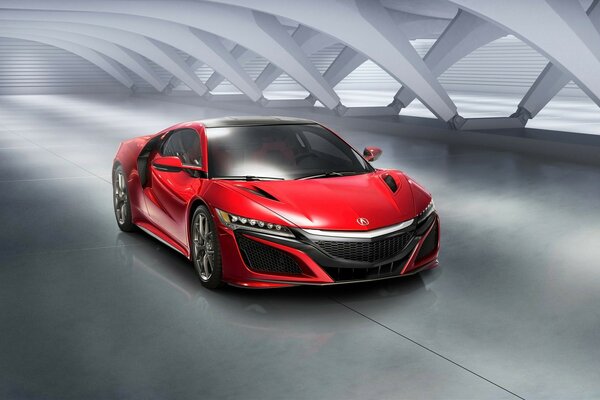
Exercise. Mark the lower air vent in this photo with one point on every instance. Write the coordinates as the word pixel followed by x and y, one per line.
pixel 266 259
pixel 430 243
pixel 358 274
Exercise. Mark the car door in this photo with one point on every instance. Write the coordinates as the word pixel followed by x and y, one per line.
pixel 169 190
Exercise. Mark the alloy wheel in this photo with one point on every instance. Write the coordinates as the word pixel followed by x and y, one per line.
pixel 120 197
pixel 204 252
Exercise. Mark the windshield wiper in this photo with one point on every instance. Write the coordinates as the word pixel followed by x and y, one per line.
pixel 249 178
pixel 329 174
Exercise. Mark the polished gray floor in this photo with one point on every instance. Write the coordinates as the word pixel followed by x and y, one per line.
pixel 89 312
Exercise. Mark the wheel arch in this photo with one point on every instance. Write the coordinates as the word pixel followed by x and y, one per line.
pixel 195 203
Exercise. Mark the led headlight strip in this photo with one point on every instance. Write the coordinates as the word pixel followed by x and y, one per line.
pixel 426 212
pixel 233 221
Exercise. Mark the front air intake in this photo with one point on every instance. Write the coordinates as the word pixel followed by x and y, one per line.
pixel 368 250
pixel 266 259
pixel 430 243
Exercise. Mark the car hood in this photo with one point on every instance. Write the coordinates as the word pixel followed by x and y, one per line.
pixel 336 203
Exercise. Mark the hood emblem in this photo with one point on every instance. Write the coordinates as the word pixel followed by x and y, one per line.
pixel 362 221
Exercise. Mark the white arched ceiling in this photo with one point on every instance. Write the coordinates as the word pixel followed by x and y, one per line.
pixel 108 65
pixel 259 32
pixel 201 45
pixel 113 32
pixel 129 59
pixel 164 56
pixel 366 26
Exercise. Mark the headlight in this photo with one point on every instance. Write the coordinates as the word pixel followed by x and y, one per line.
pixel 426 212
pixel 233 221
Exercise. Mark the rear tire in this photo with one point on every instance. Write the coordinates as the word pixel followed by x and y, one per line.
pixel 205 250
pixel 121 203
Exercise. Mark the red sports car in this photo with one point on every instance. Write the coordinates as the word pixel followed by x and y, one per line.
pixel 271 202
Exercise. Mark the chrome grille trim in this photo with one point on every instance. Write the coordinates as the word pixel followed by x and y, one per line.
pixel 361 234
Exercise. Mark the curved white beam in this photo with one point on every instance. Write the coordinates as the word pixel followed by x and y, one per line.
pixel 211 51
pixel 259 32
pixel 194 65
pixel 343 65
pixel 420 27
pixel 127 58
pixel 164 56
pixel 425 8
pixel 551 80
pixel 367 27
pixel 462 36
pixel 309 40
pixel 561 31
pixel 108 65
pixel 302 67
pixel 241 54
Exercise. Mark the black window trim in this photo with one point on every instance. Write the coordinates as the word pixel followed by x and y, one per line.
pixel 168 135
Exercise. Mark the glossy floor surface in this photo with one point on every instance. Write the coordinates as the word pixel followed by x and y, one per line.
pixel 89 312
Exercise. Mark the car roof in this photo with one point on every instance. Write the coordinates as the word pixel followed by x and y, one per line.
pixel 253 121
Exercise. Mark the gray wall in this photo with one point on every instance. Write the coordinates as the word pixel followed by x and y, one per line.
pixel 33 68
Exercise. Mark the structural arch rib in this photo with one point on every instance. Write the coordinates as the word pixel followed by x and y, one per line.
pixel 359 24
pixel 561 31
pixel 259 32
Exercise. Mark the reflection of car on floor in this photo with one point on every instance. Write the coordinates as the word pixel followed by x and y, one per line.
pixel 270 202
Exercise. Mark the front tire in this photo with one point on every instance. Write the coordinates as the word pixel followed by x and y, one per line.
pixel 121 200
pixel 205 249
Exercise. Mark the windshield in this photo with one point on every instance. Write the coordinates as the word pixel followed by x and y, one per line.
pixel 280 152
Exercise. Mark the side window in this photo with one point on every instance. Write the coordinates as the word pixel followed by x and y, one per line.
pixel 184 144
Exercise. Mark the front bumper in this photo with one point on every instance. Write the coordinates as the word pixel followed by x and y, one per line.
pixel 254 259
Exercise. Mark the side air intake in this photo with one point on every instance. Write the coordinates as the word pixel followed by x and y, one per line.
pixel 391 183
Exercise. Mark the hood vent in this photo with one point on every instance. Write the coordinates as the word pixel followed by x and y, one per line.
pixel 260 192
pixel 391 183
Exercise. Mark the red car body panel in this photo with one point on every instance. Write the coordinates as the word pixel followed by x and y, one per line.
pixel 163 208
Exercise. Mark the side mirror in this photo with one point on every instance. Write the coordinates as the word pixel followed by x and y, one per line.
pixel 372 153
pixel 168 164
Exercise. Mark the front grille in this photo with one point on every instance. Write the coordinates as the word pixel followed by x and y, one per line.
pixel 430 243
pixel 262 258
pixel 357 274
pixel 367 251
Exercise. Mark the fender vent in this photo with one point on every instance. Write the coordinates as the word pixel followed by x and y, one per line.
pixel 391 183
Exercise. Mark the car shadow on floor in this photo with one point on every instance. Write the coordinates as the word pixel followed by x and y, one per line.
pixel 146 256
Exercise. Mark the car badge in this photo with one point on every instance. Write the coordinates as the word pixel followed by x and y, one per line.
pixel 362 221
